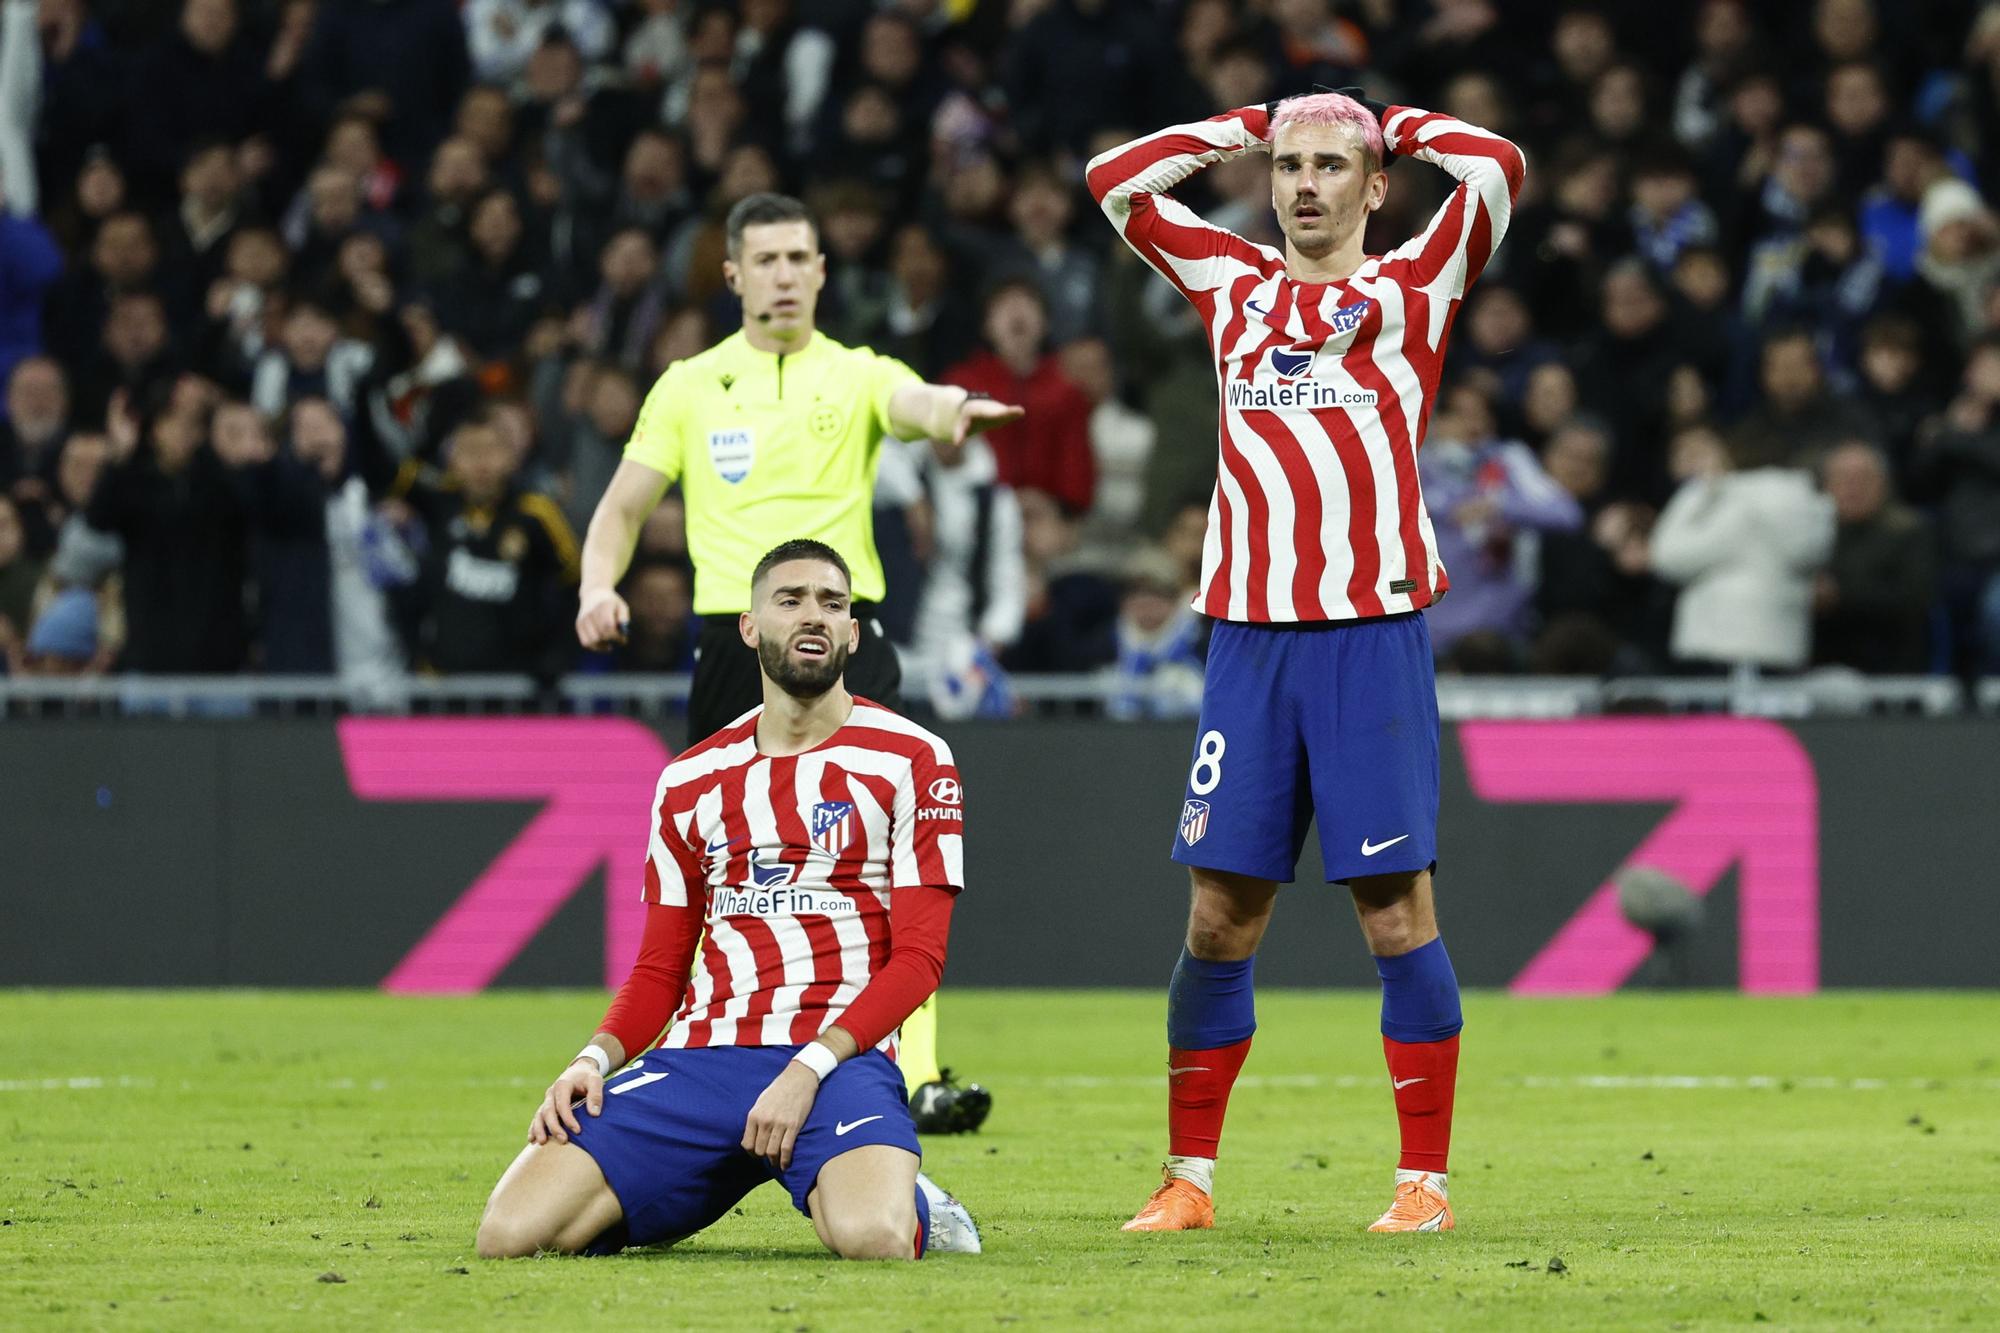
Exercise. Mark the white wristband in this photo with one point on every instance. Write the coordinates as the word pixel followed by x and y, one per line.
pixel 598 1056
pixel 818 1058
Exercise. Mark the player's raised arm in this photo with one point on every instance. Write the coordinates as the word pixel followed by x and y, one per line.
pixel 1131 184
pixel 1466 229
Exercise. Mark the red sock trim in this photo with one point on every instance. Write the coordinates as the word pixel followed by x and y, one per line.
pixel 1198 1084
pixel 1424 1078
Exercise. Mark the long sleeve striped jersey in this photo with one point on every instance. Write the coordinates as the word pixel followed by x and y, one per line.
pixel 1325 387
pixel 794 858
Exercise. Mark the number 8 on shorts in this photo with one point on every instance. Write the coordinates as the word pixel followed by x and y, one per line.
pixel 1206 775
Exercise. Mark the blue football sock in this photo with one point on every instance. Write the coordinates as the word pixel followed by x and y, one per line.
pixel 1211 1004
pixel 1419 995
pixel 923 1222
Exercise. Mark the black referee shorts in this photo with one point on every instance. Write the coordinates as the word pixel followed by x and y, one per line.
pixel 728 682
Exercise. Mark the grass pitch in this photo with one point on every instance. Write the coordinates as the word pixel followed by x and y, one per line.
pixel 238 1160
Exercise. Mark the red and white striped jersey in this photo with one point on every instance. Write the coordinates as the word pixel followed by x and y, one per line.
pixel 1325 387
pixel 795 857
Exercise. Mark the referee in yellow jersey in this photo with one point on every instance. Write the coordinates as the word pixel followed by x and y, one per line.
pixel 774 433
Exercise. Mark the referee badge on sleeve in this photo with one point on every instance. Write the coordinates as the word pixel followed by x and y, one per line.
pixel 732 452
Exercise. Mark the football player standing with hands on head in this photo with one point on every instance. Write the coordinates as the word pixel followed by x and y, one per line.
pixel 1319 560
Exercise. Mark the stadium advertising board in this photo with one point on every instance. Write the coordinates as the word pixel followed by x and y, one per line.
pixel 449 855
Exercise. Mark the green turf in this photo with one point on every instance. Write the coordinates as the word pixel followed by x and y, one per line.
pixel 232 1148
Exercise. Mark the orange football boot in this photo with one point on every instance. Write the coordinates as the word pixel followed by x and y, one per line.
pixel 1177 1205
pixel 1420 1206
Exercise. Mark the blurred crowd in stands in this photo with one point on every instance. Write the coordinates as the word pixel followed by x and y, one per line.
pixel 323 322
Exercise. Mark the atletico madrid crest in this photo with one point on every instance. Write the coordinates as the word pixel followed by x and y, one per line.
pixel 832 826
pixel 1194 821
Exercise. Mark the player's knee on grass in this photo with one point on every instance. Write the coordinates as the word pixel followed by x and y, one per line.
pixel 552 1197
pixel 884 1234
pixel 513 1236
pixel 509 1236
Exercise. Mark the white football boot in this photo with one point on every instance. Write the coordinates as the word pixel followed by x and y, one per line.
pixel 952 1229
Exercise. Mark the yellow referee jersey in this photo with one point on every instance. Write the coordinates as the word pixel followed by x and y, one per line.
pixel 767 448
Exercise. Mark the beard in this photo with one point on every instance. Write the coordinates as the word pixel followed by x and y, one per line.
pixel 1320 241
pixel 1311 244
pixel 802 679
pixel 1342 213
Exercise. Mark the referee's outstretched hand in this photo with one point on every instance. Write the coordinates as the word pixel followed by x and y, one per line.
pixel 982 414
pixel 600 624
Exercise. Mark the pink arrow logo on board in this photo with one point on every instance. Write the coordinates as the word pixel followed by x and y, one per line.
pixel 1747 796
pixel 597 775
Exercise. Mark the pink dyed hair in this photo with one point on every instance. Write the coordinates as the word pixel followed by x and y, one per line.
pixel 1333 109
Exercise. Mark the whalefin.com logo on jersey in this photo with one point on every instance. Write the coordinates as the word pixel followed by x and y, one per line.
pixel 781 900
pixel 1294 385
pixel 1292 369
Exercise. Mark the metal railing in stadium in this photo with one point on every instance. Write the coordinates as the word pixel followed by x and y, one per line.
pixel 1832 694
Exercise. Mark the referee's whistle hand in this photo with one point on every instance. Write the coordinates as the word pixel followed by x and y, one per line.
pixel 600 624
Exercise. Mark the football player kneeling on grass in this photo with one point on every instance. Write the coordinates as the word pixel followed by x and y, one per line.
pixel 817 839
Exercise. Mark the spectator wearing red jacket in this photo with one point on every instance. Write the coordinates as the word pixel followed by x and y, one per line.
pixel 1049 448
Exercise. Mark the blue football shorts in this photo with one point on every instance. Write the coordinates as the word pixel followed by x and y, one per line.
pixel 1331 719
pixel 670 1137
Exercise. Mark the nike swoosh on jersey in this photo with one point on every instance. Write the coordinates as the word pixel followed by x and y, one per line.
pixel 1370 848
pixel 842 1129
